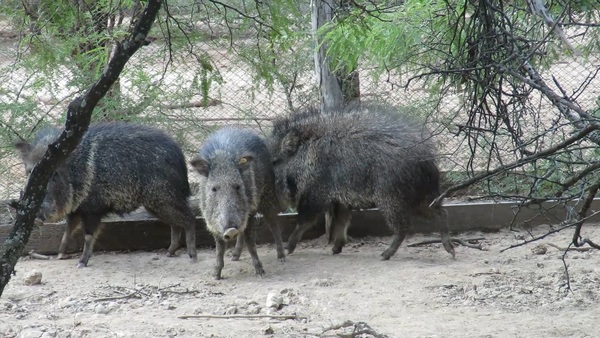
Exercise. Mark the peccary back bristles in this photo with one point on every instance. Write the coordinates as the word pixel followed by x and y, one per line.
pixel 116 168
pixel 359 157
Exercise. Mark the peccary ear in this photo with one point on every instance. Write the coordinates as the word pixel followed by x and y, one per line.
pixel 201 165
pixel 289 145
pixel 244 162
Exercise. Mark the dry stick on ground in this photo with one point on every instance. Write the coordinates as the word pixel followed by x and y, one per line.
pixel 463 242
pixel 569 248
pixel 129 295
pixel 239 316
pixel 360 328
pixel 34 255
pixel 147 291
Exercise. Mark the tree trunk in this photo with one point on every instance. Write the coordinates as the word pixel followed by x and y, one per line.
pixel 332 97
pixel 337 88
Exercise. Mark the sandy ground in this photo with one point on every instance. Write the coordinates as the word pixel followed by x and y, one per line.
pixel 420 292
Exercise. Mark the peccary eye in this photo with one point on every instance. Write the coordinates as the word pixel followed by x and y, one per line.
pixel 243 160
pixel 237 188
pixel 214 189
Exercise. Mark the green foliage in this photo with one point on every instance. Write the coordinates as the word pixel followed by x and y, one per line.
pixel 420 35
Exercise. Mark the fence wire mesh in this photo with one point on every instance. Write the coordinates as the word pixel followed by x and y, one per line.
pixel 189 88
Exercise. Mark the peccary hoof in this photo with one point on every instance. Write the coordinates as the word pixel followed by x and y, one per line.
pixel 385 256
pixel 336 250
pixel 81 265
pixel 291 247
pixel 235 258
pixel 260 271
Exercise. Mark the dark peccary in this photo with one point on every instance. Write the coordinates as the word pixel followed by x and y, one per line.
pixel 116 168
pixel 362 157
pixel 237 181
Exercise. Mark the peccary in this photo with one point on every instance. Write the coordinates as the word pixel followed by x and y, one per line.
pixel 116 168
pixel 237 181
pixel 364 156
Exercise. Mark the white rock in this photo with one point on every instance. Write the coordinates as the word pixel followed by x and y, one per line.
pixel 274 300
pixel 33 277
pixel 101 309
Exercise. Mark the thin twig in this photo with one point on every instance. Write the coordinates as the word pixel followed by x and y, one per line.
pixel 129 295
pixel 238 316
pixel 463 242
pixel 564 261
pixel 34 255
pixel 360 328
pixel 548 233
pixel 491 173
pixel 569 248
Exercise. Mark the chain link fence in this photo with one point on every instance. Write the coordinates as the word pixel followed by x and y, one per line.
pixel 188 88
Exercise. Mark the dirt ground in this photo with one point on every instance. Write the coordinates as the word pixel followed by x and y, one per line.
pixel 420 292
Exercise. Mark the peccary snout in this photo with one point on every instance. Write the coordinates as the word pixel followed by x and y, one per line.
pixel 230 234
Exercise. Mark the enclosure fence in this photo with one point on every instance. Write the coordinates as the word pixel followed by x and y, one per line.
pixel 191 90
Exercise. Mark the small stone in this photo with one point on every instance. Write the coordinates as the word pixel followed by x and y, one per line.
pixel 232 310
pixel 519 236
pixel 321 282
pixel 101 309
pixel 253 309
pixel 274 300
pixel 269 330
pixel 540 249
pixel 77 321
pixel 33 277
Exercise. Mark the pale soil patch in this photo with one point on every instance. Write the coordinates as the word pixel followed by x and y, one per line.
pixel 421 292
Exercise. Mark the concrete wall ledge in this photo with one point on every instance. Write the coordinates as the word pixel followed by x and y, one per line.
pixel 140 231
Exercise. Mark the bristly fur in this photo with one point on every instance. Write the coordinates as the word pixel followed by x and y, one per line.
pixel 116 168
pixel 361 157
pixel 236 183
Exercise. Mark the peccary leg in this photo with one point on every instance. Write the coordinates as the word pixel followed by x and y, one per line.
pixel 341 222
pixel 221 245
pixel 179 218
pixel 328 223
pixel 251 244
pixel 175 238
pixel 190 239
pixel 399 224
pixel 72 223
pixel 444 231
pixel 306 220
pixel 90 224
pixel 239 246
pixel 273 223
